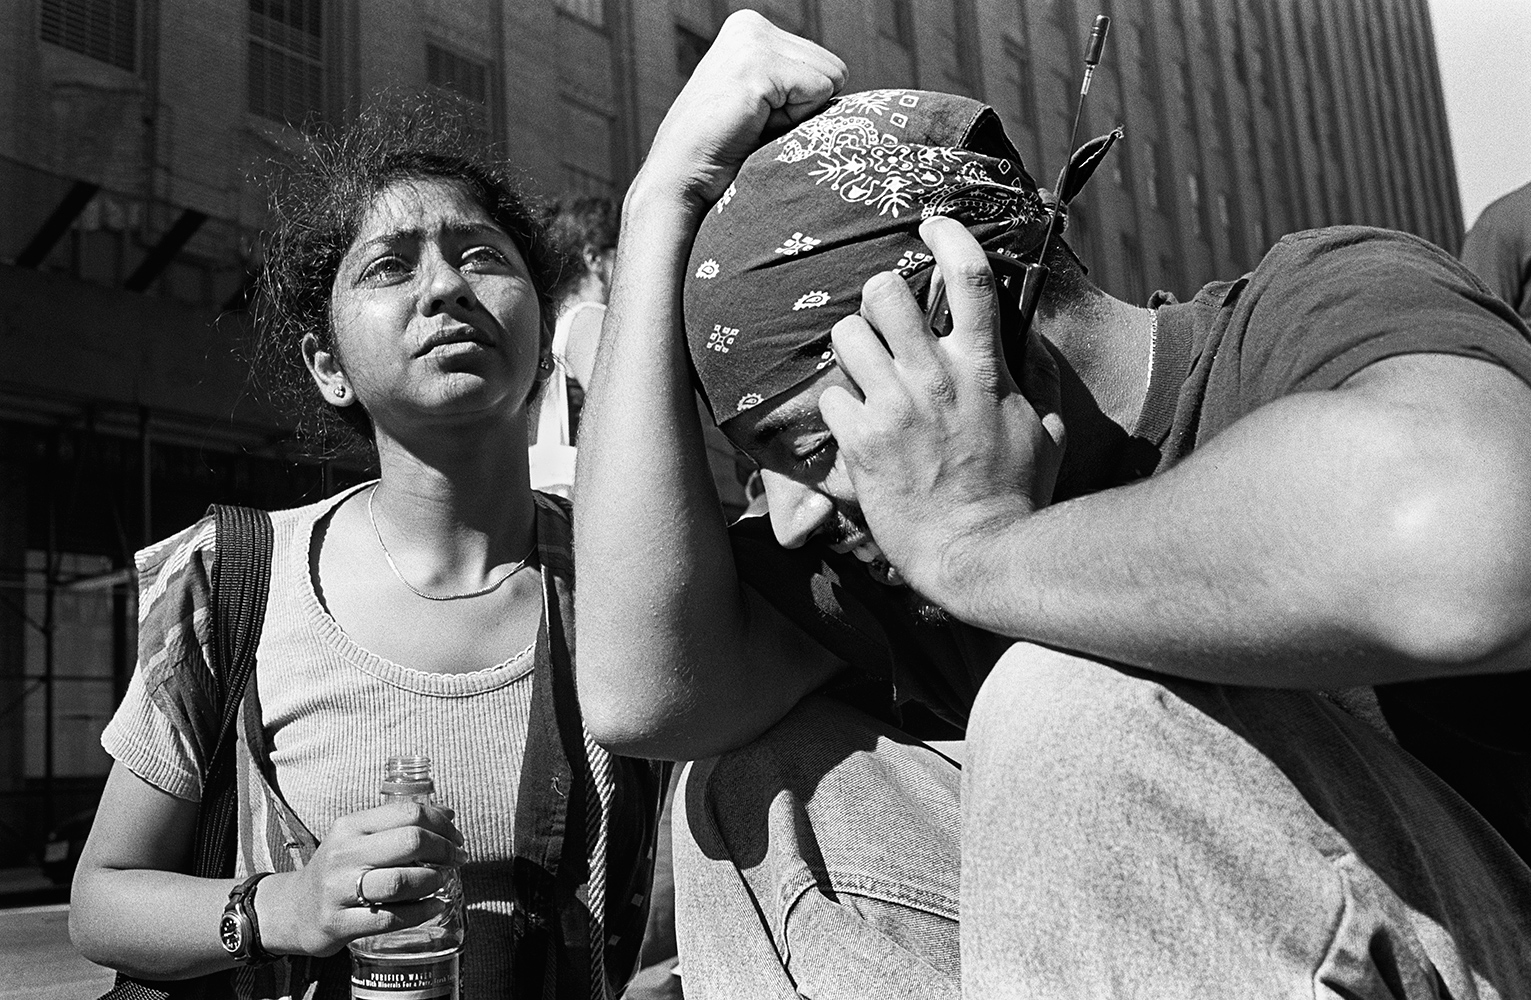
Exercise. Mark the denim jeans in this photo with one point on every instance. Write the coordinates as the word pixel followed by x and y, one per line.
pixel 1121 835
pixel 821 860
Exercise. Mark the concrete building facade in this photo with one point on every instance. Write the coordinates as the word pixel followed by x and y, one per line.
pixel 134 133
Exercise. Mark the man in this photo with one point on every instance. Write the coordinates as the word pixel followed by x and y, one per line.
pixel 1498 249
pixel 1339 444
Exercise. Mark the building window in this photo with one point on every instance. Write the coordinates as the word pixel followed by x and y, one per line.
pixel 586 148
pixel 1168 276
pixel 1157 196
pixel 895 20
pixel 462 79
pixel 80 673
pixel 1020 83
pixel 286 70
pixel 1132 264
pixel 1193 192
pixel 689 49
pixel 1148 67
pixel 101 29
pixel 593 11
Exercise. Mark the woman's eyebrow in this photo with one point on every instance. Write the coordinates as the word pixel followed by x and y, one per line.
pixel 475 229
pixel 414 234
pixel 391 237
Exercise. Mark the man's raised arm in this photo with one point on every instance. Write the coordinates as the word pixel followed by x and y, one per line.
pixel 676 659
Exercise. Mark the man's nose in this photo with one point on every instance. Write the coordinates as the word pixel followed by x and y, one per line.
pixel 797 511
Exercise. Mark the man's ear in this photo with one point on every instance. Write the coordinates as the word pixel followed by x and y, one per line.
pixel 326 372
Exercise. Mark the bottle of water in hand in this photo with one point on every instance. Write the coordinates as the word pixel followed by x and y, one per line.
pixel 422 961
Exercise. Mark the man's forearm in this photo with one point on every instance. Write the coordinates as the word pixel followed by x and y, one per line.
pixel 1317 543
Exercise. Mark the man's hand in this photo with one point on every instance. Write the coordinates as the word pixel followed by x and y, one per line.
pixel 755 80
pixel 944 448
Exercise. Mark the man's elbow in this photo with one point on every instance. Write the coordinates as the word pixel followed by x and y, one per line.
pixel 623 720
pixel 1456 589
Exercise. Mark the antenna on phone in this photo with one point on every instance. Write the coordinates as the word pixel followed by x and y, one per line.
pixel 1035 276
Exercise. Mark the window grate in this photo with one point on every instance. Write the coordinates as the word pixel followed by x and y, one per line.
pixel 464 77
pixel 465 81
pixel 106 30
pixel 285 72
pixel 592 11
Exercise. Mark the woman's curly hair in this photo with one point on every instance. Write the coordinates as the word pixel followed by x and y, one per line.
pixel 317 205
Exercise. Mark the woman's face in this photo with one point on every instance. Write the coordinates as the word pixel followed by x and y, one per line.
pixel 434 312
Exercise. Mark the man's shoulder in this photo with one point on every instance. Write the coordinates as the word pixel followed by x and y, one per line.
pixel 1510 211
pixel 1331 262
pixel 1323 248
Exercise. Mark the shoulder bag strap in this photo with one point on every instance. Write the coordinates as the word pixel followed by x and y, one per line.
pixel 241 578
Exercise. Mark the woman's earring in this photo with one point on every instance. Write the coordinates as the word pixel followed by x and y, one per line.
pixel 340 392
pixel 546 364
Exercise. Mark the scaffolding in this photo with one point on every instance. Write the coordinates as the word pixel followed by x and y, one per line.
pixel 80 492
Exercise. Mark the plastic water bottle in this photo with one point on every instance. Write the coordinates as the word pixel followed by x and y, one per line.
pixel 416 963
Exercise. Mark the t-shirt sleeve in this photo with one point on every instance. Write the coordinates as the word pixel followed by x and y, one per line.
pixel 1325 304
pixel 1496 250
pixel 166 725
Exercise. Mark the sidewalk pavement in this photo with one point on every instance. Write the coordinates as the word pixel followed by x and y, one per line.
pixel 29 887
pixel 37 962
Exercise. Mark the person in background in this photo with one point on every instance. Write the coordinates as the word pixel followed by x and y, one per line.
pixel 403 304
pixel 585 231
pixel 1160 634
pixel 1498 249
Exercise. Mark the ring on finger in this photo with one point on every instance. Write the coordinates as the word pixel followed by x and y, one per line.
pixel 361 895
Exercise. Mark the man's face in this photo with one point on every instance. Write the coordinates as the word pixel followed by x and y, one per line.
pixel 806 483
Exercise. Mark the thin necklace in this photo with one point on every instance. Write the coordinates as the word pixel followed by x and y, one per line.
pixel 518 567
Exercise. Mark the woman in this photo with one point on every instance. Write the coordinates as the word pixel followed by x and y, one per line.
pixel 405 291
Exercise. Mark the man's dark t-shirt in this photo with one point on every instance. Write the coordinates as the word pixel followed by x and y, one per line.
pixel 1321 306
pixel 1498 249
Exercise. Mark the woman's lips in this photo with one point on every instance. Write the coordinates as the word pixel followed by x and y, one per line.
pixel 449 338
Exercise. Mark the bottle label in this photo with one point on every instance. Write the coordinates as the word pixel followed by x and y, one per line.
pixel 406 978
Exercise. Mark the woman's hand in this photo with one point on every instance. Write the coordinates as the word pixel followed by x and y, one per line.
pixel 394 853
pixel 755 80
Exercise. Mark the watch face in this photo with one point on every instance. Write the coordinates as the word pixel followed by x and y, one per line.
pixel 229 933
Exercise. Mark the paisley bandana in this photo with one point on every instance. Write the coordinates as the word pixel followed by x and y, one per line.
pixel 783 254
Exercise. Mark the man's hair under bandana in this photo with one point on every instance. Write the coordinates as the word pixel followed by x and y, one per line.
pixel 783 254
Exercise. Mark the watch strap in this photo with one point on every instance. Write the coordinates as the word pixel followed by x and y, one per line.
pixel 242 902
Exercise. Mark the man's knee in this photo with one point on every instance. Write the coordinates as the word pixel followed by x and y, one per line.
pixel 1042 707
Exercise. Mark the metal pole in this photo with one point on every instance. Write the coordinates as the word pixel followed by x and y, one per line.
pixel 146 496
pixel 50 582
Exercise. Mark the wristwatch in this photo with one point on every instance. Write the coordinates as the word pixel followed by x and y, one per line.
pixel 238 930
